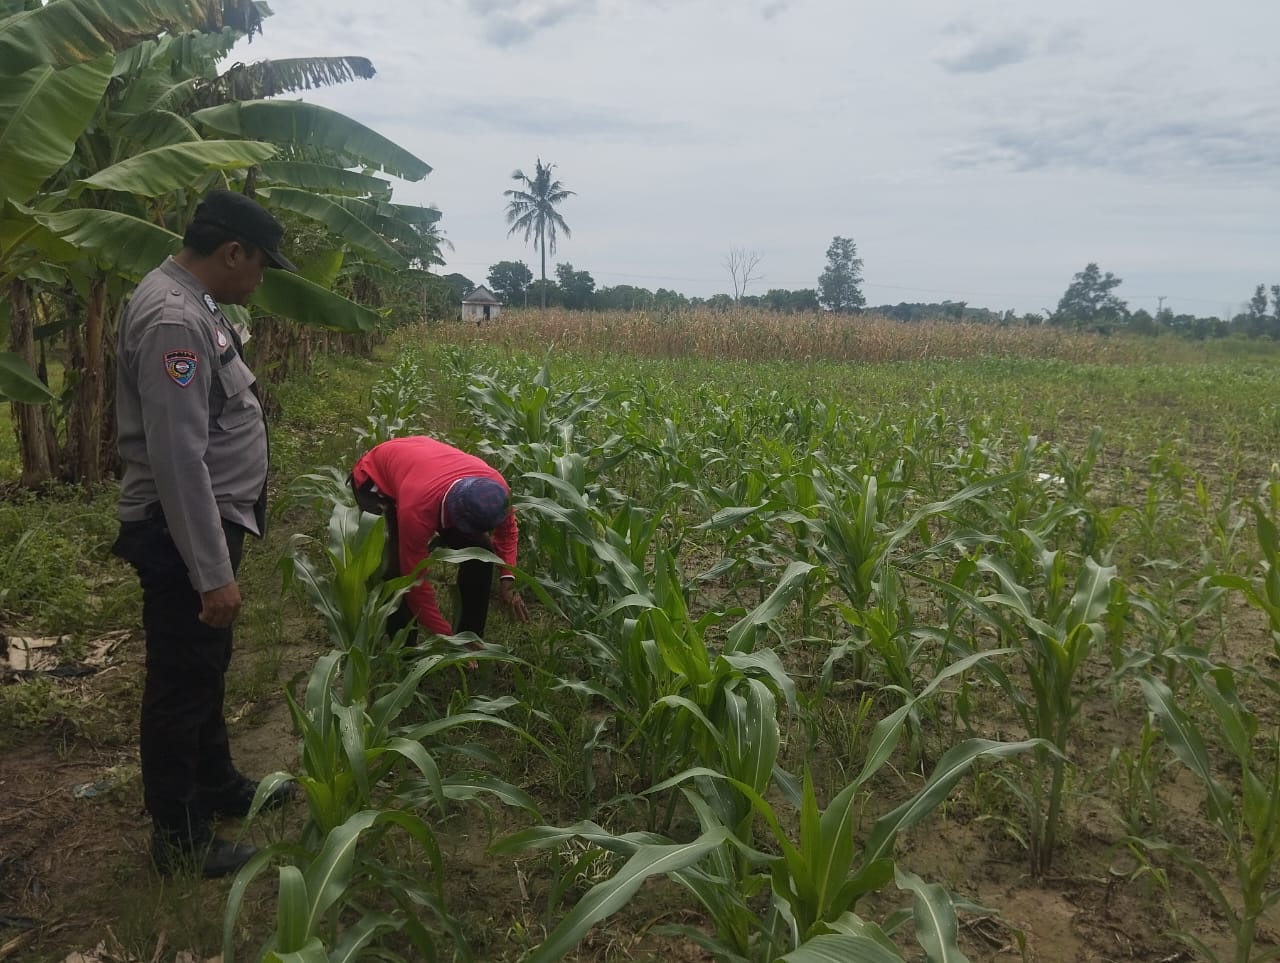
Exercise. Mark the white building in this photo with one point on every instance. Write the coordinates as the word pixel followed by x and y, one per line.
pixel 480 306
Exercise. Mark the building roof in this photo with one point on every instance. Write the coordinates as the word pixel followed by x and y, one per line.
pixel 481 295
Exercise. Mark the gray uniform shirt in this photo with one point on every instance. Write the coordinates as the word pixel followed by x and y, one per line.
pixel 190 429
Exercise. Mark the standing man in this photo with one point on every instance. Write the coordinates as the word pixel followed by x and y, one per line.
pixel 433 494
pixel 193 440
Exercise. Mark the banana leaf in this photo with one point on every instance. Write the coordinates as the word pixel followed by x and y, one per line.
pixel 321 177
pixel 175 166
pixel 116 242
pixel 42 112
pixel 337 218
pixel 291 296
pixel 309 125
pixel 72 31
pixel 19 383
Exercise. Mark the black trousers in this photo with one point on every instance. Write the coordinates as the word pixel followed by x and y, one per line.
pixel 183 730
pixel 475 578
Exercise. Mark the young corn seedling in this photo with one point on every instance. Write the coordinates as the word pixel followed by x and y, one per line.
pixel 1263 593
pixel 813 885
pixel 1246 814
pixel 324 907
pixel 1054 626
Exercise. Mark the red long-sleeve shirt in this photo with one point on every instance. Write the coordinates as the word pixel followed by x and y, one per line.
pixel 416 472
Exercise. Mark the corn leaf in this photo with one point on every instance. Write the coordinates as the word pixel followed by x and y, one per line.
pixel 291 911
pixel 330 874
pixel 937 928
pixel 841 948
pixel 609 896
pixel 954 763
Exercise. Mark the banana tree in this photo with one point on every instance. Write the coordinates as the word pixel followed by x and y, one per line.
pixel 120 174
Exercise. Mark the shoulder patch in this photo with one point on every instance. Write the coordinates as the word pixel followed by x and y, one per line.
pixel 210 303
pixel 220 336
pixel 181 366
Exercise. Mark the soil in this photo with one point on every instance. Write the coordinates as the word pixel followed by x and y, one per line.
pixel 73 835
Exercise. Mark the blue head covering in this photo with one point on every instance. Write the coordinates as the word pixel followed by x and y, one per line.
pixel 476 504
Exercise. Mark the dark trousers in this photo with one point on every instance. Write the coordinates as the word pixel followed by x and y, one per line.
pixel 184 732
pixel 475 578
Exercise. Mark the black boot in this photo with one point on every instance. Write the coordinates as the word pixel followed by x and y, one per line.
pixel 197 852
pixel 234 799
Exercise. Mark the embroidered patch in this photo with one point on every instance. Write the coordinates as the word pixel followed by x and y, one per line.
pixel 210 303
pixel 181 366
pixel 221 337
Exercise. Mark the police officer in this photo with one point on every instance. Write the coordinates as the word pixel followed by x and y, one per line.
pixel 193 440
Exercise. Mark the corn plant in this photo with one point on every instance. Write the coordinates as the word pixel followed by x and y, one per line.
pixel 1246 815
pixel 813 885
pixel 396 405
pixel 340 902
pixel 1263 593
pixel 1054 627
pixel 674 700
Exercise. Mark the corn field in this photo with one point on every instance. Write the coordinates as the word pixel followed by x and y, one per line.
pixel 782 627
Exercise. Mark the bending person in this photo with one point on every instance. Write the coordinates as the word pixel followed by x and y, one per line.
pixel 433 494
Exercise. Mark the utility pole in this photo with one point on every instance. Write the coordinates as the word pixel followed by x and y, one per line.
pixel 1160 307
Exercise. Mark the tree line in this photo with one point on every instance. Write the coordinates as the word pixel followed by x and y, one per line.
pixel 1090 302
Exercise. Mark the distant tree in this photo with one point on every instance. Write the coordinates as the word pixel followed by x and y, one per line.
pixel 510 280
pixel 1089 301
pixel 1258 303
pixel 804 299
pixel 790 302
pixel 742 266
pixel 533 211
pixel 840 285
pixel 459 287
pixel 576 287
pixel 1141 322
pixel 436 298
pixel 664 299
pixel 719 302
pixel 545 293
pixel 623 297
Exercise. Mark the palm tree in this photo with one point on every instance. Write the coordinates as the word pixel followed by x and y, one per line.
pixel 533 210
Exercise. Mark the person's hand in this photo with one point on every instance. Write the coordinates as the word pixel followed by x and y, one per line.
pixel 219 607
pixel 513 602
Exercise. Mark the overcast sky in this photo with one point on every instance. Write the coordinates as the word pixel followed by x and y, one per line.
pixel 976 150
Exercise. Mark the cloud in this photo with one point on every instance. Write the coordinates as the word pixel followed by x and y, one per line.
pixel 1133 143
pixel 511 22
pixel 967 48
pixel 774 8
pixel 547 117
pixel 984 54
